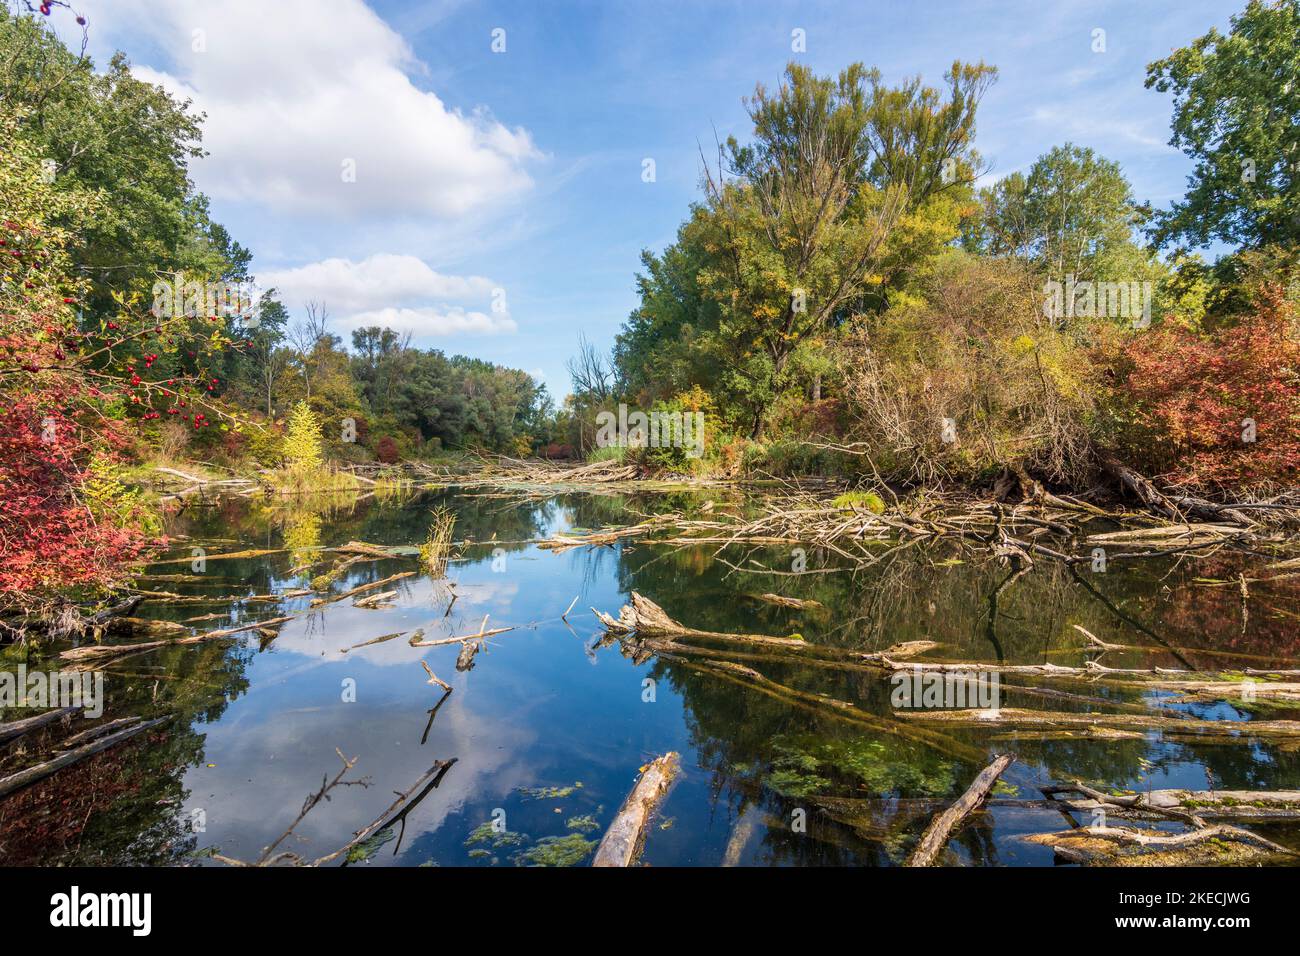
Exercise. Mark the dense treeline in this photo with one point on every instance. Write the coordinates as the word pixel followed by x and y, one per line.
pixel 844 299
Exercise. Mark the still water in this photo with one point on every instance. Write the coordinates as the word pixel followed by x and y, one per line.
pixel 551 725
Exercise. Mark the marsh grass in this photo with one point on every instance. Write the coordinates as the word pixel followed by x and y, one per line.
pixel 436 549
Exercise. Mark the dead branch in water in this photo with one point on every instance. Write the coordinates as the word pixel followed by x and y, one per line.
pixel 434 678
pixel 626 835
pixel 936 834
pixel 1130 846
pixel 1010 717
pixel 1187 805
pixel 104 651
pixel 344 595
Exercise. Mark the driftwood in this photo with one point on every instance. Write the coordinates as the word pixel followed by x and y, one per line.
pixel 1128 846
pixel 17 728
pixel 1010 717
pixel 344 595
pixel 465 659
pixel 626 835
pixel 434 678
pixel 781 601
pixel 1173 506
pixel 644 616
pixel 373 601
pixel 1186 805
pixel 483 631
pixel 936 834
pixel 30 775
pixel 103 651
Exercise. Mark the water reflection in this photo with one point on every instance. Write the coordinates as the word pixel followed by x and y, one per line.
pixel 551 725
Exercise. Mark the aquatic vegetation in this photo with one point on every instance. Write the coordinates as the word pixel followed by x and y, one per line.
pixel 867 500
pixel 569 850
pixel 489 833
pixel 804 765
pixel 365 851
pixel 549 793
pixel 583 824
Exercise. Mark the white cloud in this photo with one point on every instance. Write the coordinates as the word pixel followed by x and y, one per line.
pixel 398 291
pixel 294 89
pixel 435 321
pixel 378 281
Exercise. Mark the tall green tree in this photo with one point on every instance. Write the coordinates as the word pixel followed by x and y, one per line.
pixel 1073 214
pixel 1237 115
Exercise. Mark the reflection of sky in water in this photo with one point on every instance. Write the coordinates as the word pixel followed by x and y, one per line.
pixel 532 712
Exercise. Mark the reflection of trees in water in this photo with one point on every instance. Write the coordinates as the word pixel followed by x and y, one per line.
pixel 124 806
pixel 978 608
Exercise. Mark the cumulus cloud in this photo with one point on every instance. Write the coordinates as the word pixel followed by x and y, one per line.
pixel 435 321
pixel 380 280
pixel 298 93
pixel 398 291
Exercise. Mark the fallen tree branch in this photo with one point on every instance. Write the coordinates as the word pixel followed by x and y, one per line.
pixel 936 834
pixel 625 837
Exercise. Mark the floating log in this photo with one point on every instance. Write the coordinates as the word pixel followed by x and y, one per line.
pixel 483 632
pixel 936 834
pixel 644 616
pixel 374 640
pixel 1032 719
pixel 374 600
pixel 626 835
pixel 101 651
pixel 1106 846
pixel 1186 804
pixel 344 595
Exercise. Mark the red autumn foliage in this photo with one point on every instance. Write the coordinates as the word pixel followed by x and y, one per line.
pixel 386 450
pixel 49 539
pixel 1197 397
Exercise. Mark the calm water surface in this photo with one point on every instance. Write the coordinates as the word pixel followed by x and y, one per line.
pixel 551 725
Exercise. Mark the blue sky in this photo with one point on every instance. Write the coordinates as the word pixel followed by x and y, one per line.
pixel 497 206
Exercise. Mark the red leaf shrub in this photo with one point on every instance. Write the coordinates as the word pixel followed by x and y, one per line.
pixel 1196 397
pixel 386 450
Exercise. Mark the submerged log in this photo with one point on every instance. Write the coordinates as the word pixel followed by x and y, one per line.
pixel 16 728
pixel 782 601
pixel 936 834
pixel 22 778
pixel 626 835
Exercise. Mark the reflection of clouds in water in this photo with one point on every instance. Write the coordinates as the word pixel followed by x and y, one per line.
pixel 421 604
pixel 264 771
